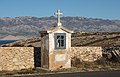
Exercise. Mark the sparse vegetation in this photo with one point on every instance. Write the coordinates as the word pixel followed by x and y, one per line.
pixel 105 39
pixel 101 61
pixel 75 62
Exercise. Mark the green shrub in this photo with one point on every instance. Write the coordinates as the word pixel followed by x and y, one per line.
pixel 101 61
pixel 75 61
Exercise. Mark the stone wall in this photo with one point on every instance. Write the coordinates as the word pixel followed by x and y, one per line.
pixel 16 58
pixel 89 54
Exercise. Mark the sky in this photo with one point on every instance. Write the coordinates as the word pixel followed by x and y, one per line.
pixel 106 9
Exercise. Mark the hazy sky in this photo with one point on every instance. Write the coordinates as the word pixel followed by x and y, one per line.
pixel 107 9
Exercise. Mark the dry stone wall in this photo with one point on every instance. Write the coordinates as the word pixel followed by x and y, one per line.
pixel 16 58
pixel 89 54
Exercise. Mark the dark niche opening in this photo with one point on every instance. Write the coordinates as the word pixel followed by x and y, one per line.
pixel 37 56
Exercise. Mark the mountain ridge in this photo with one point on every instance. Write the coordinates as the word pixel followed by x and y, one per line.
pixel 30 26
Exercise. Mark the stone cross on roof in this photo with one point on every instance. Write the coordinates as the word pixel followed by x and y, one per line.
pixel 58 14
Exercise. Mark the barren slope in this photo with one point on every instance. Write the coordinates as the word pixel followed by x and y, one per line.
pixel 79 39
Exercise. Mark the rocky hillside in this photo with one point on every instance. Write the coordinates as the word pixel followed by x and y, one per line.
pixel 104 39
pixel 30 26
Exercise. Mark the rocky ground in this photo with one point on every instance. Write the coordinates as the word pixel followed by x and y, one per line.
pixel 103 39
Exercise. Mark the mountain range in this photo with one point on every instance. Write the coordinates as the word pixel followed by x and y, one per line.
pixel 28 26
